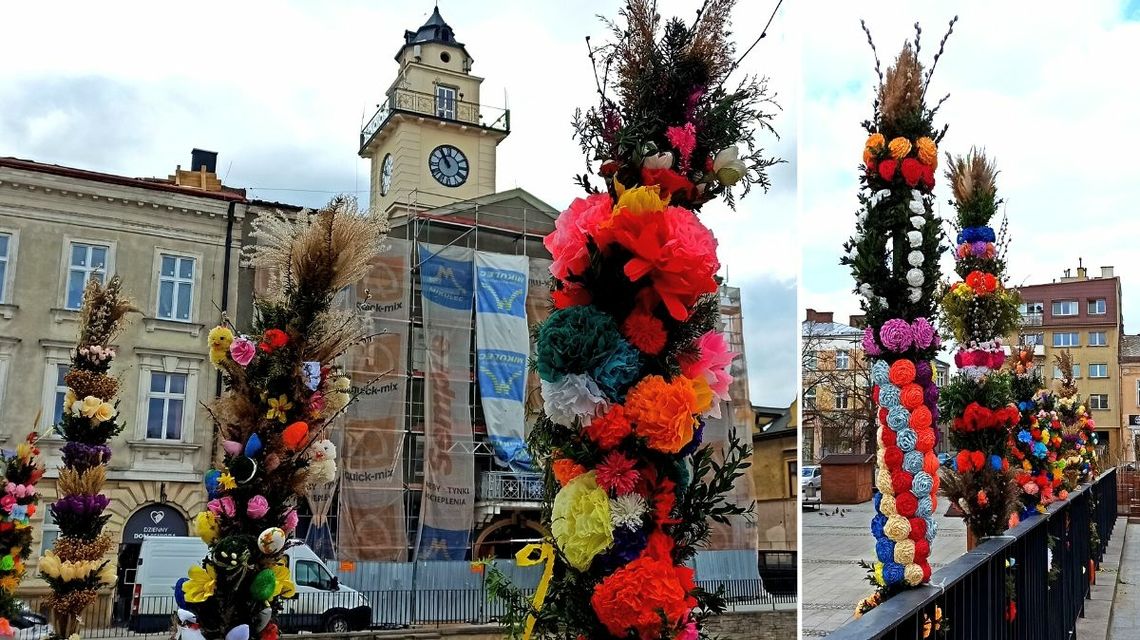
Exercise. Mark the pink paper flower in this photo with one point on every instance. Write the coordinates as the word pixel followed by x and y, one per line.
pixel 291 520
pixel 567 243
pixel 711 361
pixel 684 140
pixel 257 507
pixel 688 632
pixel 316 403
pixel 7 502
pixel 222 507
pixel 869 344
pixel 242 350
pixel 617 473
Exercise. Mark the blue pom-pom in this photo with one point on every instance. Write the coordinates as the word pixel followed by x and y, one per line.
pixel 885 550
pixel 211 481
pixel 1024 436
pixel 253 446
pixel 878 500
pixel 995 462
pixel 893 573
pixel 877 524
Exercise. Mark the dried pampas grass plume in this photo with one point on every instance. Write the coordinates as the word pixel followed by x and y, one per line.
pixel 88 482
pixel 1066 388
pixel 901 92
pixel 104 310
pixel 973 177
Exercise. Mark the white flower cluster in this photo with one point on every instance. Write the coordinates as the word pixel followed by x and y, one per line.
pixel 627 511
pixel 576 395
pixel 914 277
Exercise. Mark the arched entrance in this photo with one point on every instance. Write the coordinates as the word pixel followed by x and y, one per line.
pixel 505 536
pixel 149 520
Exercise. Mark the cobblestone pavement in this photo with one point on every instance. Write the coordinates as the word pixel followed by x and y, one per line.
pixel 833 545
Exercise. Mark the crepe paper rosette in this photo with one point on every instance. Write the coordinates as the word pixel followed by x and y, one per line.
pixel 282 390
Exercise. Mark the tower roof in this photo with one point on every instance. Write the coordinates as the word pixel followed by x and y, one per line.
pixel 434 30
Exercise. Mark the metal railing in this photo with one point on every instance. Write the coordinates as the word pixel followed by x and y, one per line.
pixel 1052 557
pixel 511 486
pixel 1032 319
pixel 344 611
pixel 426 104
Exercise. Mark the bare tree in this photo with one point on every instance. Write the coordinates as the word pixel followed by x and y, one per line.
pixel 836 393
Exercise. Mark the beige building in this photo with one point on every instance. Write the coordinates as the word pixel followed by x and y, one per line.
pixel 775 447
pixel 1130 393
pixel 175 242
pixel 1082 314
pixel 431 143
pixel 836 387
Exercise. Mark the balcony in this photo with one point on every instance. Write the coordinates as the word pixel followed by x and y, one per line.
pixel 509 486
pixel 1031 319
pixel 424 104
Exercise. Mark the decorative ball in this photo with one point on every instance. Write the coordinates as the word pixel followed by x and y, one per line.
pixel 295 434
pixel 243 469
pixel 271 541
pixel 263 585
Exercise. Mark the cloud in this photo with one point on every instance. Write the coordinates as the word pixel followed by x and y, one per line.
pixel 1045 96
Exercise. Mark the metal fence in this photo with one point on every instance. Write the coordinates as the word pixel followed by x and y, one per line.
pixel 343 611
pixel 1051 558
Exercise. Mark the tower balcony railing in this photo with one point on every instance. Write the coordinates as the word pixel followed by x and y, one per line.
pixel 1031 319
pixel 426 104
pixel 510 486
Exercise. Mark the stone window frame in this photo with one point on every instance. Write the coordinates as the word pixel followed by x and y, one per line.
pixel 162 361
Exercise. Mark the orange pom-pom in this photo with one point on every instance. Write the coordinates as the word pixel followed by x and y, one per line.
pixel 902 373
pixel 295 434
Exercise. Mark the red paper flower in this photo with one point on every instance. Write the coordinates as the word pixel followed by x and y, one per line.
pixel 900 482
pixel 912 171
pixel 570 295
pixel 645 331
pixel 665 499
pixel 887 169
pixel 610 429
pixel 273 340
pixel 892 457
pixel 637 595
pixel 617 473
pixel 906 504
pixel 890 438
pixel 927 178
pixel 918 532
pixel 671 182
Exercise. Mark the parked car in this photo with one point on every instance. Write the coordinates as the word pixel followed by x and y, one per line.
pixel 322 604
pixel 29 625
pixel 811 484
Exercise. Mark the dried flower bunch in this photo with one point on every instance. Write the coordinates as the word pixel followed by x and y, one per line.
pixel 75 568
pixel 18 499
pixel 282 390
pixel 894 257
pixel 667 116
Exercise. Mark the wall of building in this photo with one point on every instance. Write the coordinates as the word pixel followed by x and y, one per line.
pixel 1129 405
pixel 774 474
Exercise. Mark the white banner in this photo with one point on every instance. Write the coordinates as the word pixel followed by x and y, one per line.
pixel 448 507
pixel 502 342
pixel 373 525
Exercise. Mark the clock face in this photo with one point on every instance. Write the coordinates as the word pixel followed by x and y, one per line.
pixel 386 175
pixel 448 165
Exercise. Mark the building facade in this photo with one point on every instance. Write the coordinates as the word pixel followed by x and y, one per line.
pixel 1082 314
pixel 836 387
pixel 775 476
pixel 175 243
pixel 1130 394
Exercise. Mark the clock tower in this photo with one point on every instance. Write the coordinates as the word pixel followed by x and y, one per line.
pixel 431 143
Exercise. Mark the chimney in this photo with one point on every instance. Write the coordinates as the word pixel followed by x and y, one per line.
pixel 820 316
pixel 1068 277
pixel 1107 272
pixel 1082 273
pixel 201 157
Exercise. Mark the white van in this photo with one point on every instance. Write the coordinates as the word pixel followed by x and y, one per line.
pixel 321 603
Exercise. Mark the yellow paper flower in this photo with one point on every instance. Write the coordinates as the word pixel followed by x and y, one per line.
pixel 639 200
pixel 879 574
pixel 581 521
pixel 89 406
pixel 69 399
pixel 50 564
pixel 277 408
pixel 201 584
pixel 285 587
pixel 104 413
pixel 927 152
pixel 108 574
pixel 226 481
pixel 206 526
pixel 704 394
pixel 900 148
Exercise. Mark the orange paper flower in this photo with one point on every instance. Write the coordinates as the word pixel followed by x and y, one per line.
pixel 636 595
pixel 610 429
pixel 927 152
pixel 900 148
pixel 566 470
pixel 662 412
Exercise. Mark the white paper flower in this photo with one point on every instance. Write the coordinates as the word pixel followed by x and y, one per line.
pixel 917 221
pixel 866 291
pixel 878 196
pixel 662 160
pixel 915 238
pixel 727 166
pixel 915 294
pixel 576 395
pixel 627 511
pixel 915 278
pixel 915 258
pixel 857 238
pixel 916 207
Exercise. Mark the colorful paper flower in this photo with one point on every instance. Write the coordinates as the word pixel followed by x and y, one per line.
pixel 200 587
pixel 580 521
pixel 663 412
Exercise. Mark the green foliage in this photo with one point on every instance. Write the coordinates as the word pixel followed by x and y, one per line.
pixel 980 317
pixel 993 391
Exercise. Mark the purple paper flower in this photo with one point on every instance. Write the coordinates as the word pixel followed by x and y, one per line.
pixel 896 335
pixel 924 333
pixel 978 248
pixel 869 344
pixel 84 456
pixel 923 373
pixel 627 546
pixel 80 506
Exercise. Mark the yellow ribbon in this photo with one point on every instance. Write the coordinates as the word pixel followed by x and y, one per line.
pixel 523 558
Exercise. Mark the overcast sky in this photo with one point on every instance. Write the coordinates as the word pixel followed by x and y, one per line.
pixel 1051 94
pixel 280 90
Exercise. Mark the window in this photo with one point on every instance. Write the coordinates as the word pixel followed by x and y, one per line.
pixel 1066 339
pixel 1098 401
pixel 445 102
pixel 1098 370
pixel 1032 307
pixel 1138 393
pixel 312 574
pixel 1098 307
pixel 1076 371
pixel 809 397
pixel 792 478
pixel 7 247
pixel 841 398
pixel 50 532
pixel 57 372
pixel 1032 339
pixel 842 359
pixel 812 363
pixel 1098 339
pixel 940 377
pixel 175 288
pixel 85 261
pixel 164 406
pixel 1065 308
